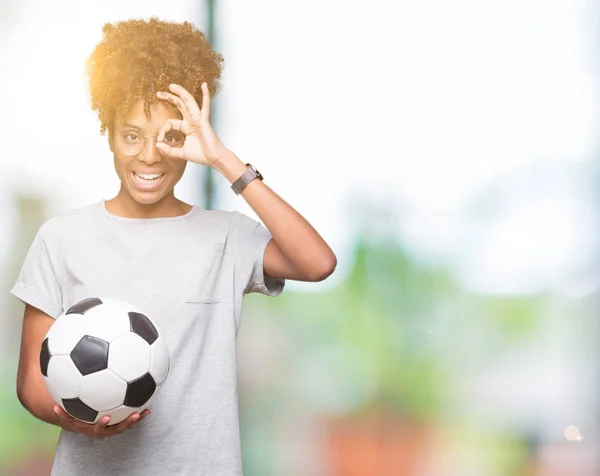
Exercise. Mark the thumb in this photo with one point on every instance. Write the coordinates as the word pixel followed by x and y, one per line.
pixel 169 151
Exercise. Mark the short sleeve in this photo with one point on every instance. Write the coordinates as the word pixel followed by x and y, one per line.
pixel 250 239
pixel 37 283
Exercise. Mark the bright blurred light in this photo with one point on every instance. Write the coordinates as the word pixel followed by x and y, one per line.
pixel 421 111
pixel 572 433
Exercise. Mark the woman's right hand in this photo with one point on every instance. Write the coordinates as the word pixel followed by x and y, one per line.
pixel 99 429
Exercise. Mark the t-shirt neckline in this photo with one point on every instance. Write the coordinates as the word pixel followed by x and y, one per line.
pixel 107 214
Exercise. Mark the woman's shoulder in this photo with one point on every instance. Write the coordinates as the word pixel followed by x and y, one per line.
pixel 218 216
pixel 65 221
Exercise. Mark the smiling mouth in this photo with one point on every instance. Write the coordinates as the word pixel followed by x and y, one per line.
pixel 148 179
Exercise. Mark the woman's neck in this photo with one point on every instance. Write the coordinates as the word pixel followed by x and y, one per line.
pixel 123 205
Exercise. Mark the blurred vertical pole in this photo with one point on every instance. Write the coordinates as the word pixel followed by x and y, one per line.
pixel 209 187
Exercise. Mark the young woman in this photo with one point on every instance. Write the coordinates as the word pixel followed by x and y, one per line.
pixel 151 83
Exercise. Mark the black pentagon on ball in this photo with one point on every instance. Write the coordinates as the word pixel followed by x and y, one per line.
pixel 79 410
pixel 44 357
pixel 90 355
pixel 139 391
pixel 143 327
pixel 83 306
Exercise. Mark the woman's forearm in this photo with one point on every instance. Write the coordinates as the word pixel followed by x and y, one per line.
pixel 36 399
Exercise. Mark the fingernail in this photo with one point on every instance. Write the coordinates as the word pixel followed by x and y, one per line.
pixel 135 418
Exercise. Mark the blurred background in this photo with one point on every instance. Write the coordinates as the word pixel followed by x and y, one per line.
pixel 448 151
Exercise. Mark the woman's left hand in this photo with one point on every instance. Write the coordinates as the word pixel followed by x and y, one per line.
pixel 202 146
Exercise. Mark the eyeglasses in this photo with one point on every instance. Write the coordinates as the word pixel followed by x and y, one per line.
pixel 131 142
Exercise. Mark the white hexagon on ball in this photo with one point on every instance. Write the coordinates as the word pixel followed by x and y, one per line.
pixel 65 333
pixel 55 395
pixel 65 378
pixel 107 322
pixel 102 391
pixel 129 357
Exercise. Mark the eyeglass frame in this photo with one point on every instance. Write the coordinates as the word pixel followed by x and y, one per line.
pixel 143 144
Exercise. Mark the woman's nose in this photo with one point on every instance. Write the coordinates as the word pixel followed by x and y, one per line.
pixel 150 153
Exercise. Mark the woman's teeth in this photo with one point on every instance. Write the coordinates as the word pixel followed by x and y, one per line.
pixel 148 179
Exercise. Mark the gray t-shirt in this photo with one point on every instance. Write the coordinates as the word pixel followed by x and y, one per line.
pixel 189 273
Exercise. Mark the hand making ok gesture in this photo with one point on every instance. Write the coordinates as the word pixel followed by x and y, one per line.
pixel 201 146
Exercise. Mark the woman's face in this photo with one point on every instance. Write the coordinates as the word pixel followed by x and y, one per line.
pixel 145 174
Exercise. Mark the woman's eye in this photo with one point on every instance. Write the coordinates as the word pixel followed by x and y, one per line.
pixel 174 139
pixel 131 137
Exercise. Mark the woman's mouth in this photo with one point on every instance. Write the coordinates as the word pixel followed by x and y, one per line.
pixel 147 181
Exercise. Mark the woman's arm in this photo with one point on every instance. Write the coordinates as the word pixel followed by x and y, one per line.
pixel 297 251
pixel 31 389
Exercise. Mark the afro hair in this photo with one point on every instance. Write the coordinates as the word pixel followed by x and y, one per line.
pixel 137 58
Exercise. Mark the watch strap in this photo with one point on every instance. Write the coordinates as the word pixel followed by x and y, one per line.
pixel 248 176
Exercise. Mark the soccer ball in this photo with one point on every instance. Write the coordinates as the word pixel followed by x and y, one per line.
pixel 103 357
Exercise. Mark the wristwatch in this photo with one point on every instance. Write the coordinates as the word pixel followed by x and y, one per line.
pixel 248 176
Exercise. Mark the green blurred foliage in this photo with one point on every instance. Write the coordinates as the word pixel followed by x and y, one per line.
pixel 393 323
pixel 22 437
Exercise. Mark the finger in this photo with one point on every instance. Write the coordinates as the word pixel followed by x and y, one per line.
pixel 143 415
pixel 57 413
pixel 103 422
pixel 67 422
pixel 127 423
pixel 205 111
pixel 170 151
pixel 99 428
pixel 62 415
pixel 170 124
pixel 189 101
pixel 177 101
